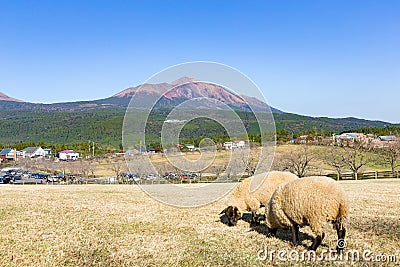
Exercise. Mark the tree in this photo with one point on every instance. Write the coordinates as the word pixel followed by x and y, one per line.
pixel 391 155
pixel 92 167
pixel 137 165
pixel 233 169
pixel 83 168
pixel 254 160
pixel 355 156
pixel 334 157
pixel 117 168
pixel 298 160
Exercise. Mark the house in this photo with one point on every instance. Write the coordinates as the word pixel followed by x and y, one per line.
pixel 349 138
pixel 33 152
pixel 4 152
pixel 388 138
pixel 47 151
pixel 68 155
pixel 190 147
pixel 235 144
pixel 147 151
pixel 14 154
pixel 240 144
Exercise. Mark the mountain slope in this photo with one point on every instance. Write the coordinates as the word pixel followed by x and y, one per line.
pixel 169 95
pixel 104 126
pixel 5 97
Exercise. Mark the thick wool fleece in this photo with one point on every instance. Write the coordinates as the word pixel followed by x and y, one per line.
pixel 310 201
pixel 245 200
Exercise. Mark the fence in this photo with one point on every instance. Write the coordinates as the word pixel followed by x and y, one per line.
pixel 366 175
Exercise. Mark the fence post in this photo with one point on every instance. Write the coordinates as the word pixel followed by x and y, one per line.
pixel 338 176
pixel 376 175
pixel 356 176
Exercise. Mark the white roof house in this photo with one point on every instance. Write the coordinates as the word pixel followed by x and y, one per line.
pixel 68 155
pixel 234 144
pixel 33 152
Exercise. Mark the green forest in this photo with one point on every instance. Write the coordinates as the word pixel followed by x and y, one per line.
pixel 104 128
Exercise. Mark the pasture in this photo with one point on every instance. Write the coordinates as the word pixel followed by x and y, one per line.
pixel 119 225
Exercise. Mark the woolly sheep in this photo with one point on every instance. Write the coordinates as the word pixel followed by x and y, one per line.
pixel 244 200
pixel 310 201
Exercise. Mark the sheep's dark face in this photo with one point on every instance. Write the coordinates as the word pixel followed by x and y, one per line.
pixel 232 215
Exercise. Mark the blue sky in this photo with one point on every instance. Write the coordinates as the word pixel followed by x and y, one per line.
pixel 319 58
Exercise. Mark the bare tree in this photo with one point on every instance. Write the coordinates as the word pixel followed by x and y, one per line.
pixel 83 168
pixel 136 166
pixel 117 167
pixel 356 156
pixel 298 161
pixel 390 155
pixel 233 169
pixel 249 160
pixel 334 157
pixel 92 165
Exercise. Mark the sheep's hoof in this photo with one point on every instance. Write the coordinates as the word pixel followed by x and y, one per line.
pixel 272 232
pixel 339 250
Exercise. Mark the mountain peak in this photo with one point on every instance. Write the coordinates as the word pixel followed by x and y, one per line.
pixel 173 93
pixel 5 97
pixel 184 80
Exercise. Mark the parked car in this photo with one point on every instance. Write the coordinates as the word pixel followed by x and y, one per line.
pixel 16 178
pixel 171 175
pixel 131 177
pixel 187 176
pixel 6 178
pixel 40 176
pixel 151 176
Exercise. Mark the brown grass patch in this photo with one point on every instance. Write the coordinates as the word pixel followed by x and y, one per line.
pixel 118 225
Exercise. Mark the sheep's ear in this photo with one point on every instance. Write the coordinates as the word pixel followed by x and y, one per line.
pixel 225 210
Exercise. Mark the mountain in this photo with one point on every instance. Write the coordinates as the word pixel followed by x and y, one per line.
pixel 169 95
pixel 5 97
pixel 174 93
pixel 101 120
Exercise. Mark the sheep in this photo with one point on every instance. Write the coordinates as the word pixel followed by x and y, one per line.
pixel 311 201
pixel 244 200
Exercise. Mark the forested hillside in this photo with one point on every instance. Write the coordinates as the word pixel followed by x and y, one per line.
pixel 104 126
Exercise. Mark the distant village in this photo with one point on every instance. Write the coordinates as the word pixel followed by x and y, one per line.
pixel 344 139
pixel 11 154
pixel 8 154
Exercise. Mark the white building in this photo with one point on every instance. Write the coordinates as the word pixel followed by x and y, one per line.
pixel 33 152
pixel 68 155
pixel 234 144
pixel 190 147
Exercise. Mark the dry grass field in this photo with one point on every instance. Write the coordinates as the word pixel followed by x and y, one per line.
pixel 104 168
pixel 118 225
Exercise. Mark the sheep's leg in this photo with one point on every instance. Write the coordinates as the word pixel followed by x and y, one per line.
pixel 254 219
pixel 341 232
pixel 317 241
pixel 295 234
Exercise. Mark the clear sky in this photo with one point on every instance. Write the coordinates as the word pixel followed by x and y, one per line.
pixel 319 58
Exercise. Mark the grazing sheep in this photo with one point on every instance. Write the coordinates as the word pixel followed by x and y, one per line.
pixel 310 201
pixel 244 200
